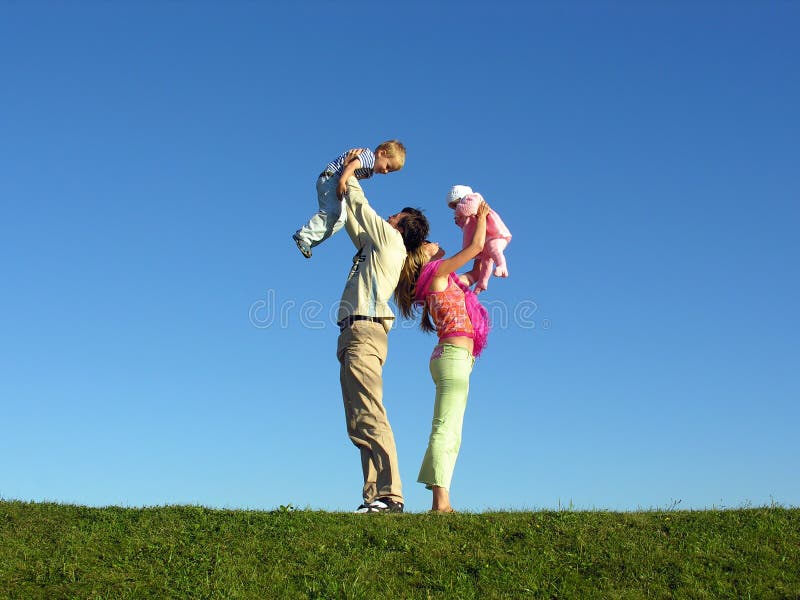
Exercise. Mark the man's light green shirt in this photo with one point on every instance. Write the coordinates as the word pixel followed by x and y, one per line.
pixel 378 260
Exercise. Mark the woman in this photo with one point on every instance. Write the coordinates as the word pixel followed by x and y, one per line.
pixel 429 280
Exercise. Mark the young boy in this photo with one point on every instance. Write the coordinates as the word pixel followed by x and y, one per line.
pixel 331 186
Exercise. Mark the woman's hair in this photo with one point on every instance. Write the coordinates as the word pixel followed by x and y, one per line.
pixel 407 287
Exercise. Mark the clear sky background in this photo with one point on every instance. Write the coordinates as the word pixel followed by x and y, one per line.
pixel 164 342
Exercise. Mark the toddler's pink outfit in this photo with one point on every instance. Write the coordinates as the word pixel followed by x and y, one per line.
pixel 497 235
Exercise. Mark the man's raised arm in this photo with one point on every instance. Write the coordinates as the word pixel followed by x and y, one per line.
pixel 365 216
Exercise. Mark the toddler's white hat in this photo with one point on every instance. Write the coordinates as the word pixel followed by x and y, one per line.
pixel 457 192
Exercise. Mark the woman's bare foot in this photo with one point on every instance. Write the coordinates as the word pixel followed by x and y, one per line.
pixel 441 500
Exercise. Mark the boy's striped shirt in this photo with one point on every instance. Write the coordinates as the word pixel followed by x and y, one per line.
pixel 365 171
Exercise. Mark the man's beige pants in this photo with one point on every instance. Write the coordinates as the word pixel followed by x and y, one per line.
pixel 362 350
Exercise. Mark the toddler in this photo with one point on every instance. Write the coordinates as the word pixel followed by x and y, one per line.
pixel 332 183
pixel 465 202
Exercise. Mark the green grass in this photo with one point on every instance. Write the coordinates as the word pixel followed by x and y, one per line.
pixel 57 551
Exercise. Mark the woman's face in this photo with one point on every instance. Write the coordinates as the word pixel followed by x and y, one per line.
pixel 433 251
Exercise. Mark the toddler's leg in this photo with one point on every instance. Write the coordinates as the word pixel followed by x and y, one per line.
pixel 495 249
pixel 329 219
pixel 486 264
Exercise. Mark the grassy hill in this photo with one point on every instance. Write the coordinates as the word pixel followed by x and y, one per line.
pixel 57 551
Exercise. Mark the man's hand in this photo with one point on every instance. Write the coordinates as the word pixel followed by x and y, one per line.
pixel 352 154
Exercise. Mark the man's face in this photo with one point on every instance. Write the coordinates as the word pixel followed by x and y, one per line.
pixel 396 219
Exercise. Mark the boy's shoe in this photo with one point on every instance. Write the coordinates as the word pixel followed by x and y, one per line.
pixel 304 248
pixel 381 505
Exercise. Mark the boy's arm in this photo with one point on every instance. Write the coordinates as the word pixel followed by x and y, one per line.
pixel 365 216
pixel 347 172
pixel 356 158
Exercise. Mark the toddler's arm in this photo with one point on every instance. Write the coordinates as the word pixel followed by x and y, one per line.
pixel 470 276
pixel 352 162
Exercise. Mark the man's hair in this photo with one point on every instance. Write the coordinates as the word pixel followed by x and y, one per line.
pixel 395 150
pixel 415 228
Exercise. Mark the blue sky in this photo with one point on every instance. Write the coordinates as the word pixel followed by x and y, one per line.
pixel 164 342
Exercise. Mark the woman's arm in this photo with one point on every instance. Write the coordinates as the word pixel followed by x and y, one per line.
pixel 457 261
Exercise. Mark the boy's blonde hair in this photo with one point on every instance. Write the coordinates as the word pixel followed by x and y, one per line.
pixel 395 150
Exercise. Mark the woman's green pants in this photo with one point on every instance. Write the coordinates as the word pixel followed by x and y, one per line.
pixel 450 368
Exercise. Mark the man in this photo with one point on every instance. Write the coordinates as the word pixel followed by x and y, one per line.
pixel 364 320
